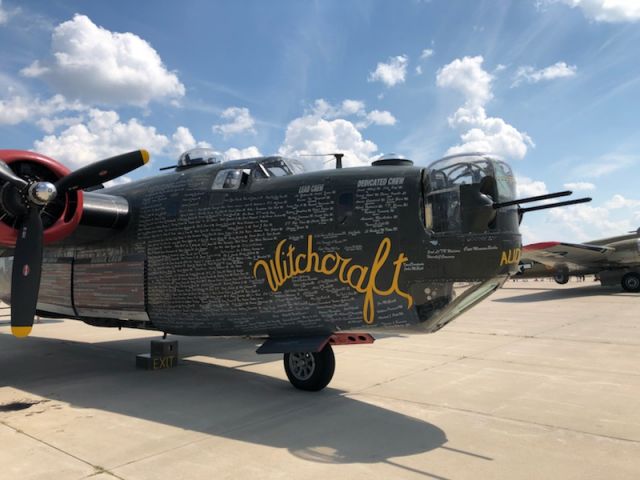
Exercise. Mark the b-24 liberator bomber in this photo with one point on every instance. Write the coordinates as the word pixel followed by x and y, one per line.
pixel 256 247
pixel 614 260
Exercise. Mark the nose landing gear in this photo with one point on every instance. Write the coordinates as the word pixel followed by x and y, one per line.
pixel 310 371
pixel 309 361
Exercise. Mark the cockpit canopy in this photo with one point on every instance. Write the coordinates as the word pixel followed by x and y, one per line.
pixel 461 190
pixel 236 174
pixel 199 156
pixel 468 168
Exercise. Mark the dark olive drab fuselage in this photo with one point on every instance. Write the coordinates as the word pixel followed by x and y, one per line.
pixel 321 252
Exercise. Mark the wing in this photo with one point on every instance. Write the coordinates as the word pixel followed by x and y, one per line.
pixel 574 256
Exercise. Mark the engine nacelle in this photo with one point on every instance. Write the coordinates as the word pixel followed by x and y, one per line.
pixel 60 217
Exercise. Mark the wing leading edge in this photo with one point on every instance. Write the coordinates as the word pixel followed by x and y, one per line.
pixel 575 256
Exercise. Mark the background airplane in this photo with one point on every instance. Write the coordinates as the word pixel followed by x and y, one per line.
pixel 614 260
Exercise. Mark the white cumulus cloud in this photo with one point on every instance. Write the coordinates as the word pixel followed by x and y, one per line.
pixel 612 11
pixel 352 108
pixel 236 153
pixel 529 74
pixel 311 134
pixel 579 186
pixel 585 222
pixel 51 124
pixel 102 136
pixel 183 140
pixel 467 76
pixel 380 117
pixel 348 107
pixel 238 120
pixel 618 201
pixel 488 134
pixel 20 108
pixel 526 187
pixel 95 65
pixel 426 53
pixel 391 73
pixel 479 132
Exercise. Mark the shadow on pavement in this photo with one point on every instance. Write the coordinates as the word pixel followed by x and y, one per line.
pixel 327 426
pixel 543 294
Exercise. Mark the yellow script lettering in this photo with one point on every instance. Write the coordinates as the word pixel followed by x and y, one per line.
pixel 363 279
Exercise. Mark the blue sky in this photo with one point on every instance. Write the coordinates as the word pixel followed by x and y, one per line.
pixel 552 85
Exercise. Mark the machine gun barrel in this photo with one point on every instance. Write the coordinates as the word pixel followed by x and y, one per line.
pixel 554 205
pixel 532 199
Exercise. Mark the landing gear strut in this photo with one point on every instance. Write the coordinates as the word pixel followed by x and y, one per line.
pixel 311 371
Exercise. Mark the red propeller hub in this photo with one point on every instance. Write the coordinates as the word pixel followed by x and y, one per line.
pixel 66 221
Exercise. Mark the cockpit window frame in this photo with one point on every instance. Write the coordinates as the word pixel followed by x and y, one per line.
pixel 223 178
pixel 505 182
pixel 446 177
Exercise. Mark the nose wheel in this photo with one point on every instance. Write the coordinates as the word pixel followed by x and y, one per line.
pixel 311 371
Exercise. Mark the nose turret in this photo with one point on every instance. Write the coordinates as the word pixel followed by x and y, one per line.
pixel 462 190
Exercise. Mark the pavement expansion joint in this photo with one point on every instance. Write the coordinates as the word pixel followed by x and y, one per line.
pixel 414 470
pixel 509 419
pixel 538 337
pixel 98 469
pixel 555 367
pixel 101 471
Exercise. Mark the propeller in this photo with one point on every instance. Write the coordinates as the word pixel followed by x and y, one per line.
pixel 32 196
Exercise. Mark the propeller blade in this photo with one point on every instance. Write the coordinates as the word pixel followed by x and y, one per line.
pixel 25 277
pixel 102 171
pixel 8 175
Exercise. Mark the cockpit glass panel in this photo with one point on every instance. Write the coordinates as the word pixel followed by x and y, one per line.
pixel 465 169
pixel 199 156
pixel 505 182
pixel 278 171
pixel 442 207
pixel 274 167
pixel 295 165
pixel 227 179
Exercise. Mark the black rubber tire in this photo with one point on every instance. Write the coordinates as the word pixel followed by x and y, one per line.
pixel 561 278
pixel 631 282
pixel 316 371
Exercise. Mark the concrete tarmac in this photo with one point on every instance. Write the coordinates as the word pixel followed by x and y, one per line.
pixel 539 381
